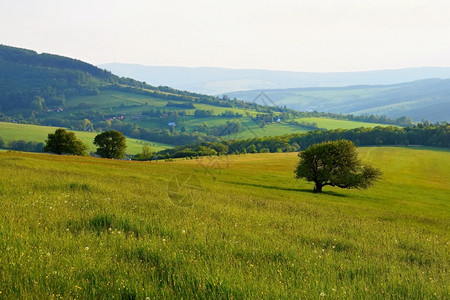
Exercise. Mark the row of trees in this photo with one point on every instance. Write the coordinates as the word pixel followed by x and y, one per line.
pixel 427 135
pixel 110 144
pixel 22 145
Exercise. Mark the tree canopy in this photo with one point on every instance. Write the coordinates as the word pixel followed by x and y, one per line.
pixel 64 142
pixel 335 163
pixel 111 144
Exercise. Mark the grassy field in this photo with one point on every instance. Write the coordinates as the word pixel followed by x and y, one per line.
pixel 334 124
pixel 107 99
pixel 253 130
pixel 35 133
pixel 78 227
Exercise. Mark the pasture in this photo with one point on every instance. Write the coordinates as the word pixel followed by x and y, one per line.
pixel 36 133
pixel 335 124
pixel 222 227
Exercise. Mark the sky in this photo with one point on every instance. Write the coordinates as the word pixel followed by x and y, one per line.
pixel 292 35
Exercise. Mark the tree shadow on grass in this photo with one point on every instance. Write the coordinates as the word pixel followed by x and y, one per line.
pixel 331 193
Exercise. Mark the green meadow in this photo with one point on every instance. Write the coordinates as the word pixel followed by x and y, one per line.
pixel 334 123
pixel 222 227
pixel 251 129
pixel 36 133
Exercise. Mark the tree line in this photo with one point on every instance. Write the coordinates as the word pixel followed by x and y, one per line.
pixel 420 134
pixel 22 145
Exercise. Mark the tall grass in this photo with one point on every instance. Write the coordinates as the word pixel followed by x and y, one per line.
pixel 74 227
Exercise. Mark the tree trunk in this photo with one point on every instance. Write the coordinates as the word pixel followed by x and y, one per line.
pixel 318 187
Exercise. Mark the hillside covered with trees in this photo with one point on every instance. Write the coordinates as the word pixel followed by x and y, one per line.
pixel 437 135
pixel 53 90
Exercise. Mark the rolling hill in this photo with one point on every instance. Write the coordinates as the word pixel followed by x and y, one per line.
pixel 425 99
pixel 52 90
pixel 217 81
pixel 78 227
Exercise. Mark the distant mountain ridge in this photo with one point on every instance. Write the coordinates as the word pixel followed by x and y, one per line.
pixel 216 81
pixel 423 99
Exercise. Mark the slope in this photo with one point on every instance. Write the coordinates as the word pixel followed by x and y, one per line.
pixel 86 228
pixel 52 90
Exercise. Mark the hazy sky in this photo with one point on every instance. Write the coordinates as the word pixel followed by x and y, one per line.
pixel 297 35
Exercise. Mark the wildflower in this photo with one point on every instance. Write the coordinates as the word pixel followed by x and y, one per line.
pixel 322 294
pixel 164 240
pixel 87 248
pixel 183 231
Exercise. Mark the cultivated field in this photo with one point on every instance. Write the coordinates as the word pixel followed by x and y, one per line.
pixel 230 227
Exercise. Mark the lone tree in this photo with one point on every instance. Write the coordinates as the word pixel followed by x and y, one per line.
pixel 111 144
pixel 335 163
pixel 64 142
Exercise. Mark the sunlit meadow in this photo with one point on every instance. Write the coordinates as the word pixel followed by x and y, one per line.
pixel 222 227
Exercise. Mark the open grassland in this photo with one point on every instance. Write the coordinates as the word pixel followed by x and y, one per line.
pixel 107 99
pixel 35 133
pixel 343 124
pixel 251 129
pixel 230 227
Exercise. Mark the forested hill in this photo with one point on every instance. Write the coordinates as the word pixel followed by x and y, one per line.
pixel 32 81
pixel 52 90
pixel 45 60
pixel 29 79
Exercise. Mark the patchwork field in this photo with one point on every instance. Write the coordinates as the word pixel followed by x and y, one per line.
pixel 126 103
pixel 222 227
pixel 35 133
pixel 119 103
